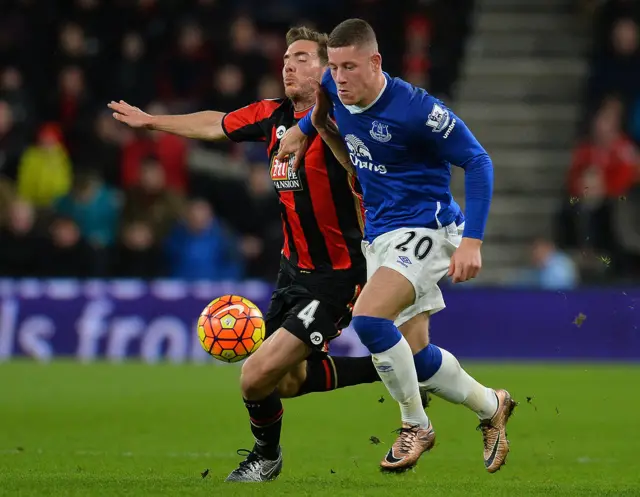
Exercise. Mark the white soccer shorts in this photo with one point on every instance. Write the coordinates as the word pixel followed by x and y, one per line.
pixel 421 255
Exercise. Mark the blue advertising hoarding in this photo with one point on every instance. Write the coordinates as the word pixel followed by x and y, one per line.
pixel 116 320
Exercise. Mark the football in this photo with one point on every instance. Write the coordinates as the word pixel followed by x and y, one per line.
pixel 231 328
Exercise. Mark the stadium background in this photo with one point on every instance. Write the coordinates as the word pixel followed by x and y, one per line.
pixel 112 240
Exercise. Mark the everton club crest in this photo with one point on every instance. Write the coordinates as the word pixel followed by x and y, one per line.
pixel 380 132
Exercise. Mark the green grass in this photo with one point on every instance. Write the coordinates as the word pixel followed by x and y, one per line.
pixel 108 430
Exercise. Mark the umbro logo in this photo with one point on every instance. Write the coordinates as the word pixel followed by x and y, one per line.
pixel 404 261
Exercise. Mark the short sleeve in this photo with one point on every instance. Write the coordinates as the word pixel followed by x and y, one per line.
pixel 250 123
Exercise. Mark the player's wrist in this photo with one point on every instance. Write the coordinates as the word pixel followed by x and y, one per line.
pixel 152 123
pixel 473 240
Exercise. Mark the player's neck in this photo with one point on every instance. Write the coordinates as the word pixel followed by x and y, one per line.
pixel 302 105
pixel 373 95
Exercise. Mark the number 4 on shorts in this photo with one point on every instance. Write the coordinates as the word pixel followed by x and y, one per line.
pixel 307 315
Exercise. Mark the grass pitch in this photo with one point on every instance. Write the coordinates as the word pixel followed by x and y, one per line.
pixel 68 429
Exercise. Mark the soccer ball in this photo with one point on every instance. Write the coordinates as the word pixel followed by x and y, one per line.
pixel 231 328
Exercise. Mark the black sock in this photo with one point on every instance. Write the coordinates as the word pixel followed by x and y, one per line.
pixel 266 423
pixel 337 372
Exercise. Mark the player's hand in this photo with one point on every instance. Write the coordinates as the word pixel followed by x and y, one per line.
pixel 294 142
pixel 130 115
pixel 466 261
pixel 320 113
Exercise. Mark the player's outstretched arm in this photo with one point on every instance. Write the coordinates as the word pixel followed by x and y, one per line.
pixel 206 125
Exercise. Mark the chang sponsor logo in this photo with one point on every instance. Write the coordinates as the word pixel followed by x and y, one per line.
pixel 361 156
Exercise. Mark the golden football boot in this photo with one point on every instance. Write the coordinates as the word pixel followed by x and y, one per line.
pixel 411 443
pixel 494 432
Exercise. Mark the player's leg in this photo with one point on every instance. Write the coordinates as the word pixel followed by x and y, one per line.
pixel 322 373
pixel 261 373
pixel 384 296
pixel 440 372
pixel 338 291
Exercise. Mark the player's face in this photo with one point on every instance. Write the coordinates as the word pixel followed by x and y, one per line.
pixel 354 71
pixel 301 62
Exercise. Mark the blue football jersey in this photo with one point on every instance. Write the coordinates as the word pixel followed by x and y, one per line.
pixel 403 146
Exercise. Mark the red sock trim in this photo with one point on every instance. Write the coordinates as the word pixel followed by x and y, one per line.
pixel 327 372
pixel 266 422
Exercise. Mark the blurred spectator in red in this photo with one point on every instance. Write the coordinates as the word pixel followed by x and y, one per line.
pixel 132 79
pixel 45 171
pixel 67 255
pixel 137 254
pixel 607 163
pixel 201 248
pixel 186 71
pixel 171 151
pixel 605 167
pixel 151 201
pixel 94 207
pixel 20 245
pixel 12 142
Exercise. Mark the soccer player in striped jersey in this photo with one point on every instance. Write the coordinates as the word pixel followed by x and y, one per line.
pixel 322 267
pixel 402 142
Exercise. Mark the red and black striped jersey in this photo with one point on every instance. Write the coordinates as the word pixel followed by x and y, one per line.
pixel 321 203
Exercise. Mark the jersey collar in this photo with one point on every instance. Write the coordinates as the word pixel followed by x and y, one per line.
pixel 354 109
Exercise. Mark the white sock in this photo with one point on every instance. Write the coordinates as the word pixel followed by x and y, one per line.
pixel 454 384
pixel 398 373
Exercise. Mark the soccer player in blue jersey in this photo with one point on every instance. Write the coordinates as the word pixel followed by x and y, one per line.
pixel 402 142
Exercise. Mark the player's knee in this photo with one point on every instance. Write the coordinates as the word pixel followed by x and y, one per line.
pixel 258 379
pixel 377 334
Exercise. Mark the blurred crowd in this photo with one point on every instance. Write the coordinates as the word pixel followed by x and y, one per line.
pixel 83 196
pixel 599 223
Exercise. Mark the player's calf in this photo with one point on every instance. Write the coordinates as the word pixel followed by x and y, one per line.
pixel 325 373
pixel 386 294
pixel 260 375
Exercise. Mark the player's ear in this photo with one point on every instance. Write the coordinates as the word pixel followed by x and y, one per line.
pixel 376 62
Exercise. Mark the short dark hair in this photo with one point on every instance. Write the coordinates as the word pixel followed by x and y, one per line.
pixel 352 32
pixel 308 34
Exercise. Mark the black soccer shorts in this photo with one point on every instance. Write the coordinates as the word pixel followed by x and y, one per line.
pixel 314 306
